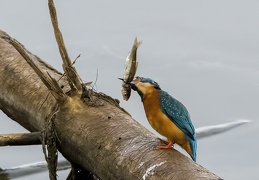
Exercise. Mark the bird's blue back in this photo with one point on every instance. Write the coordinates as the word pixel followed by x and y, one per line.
pixel 179 115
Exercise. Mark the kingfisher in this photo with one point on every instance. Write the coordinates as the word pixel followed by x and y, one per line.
pixel 168 116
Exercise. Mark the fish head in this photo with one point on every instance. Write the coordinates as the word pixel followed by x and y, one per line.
pixel 126 91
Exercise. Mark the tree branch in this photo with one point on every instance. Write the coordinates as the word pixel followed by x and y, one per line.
pixel 22 139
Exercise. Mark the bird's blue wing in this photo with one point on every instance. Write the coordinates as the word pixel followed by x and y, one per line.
pixel 177 113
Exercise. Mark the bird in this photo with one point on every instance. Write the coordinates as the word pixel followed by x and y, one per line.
pixel 168 116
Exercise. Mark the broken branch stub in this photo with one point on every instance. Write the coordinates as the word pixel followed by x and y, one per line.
pixel 71 73
pixel 49 82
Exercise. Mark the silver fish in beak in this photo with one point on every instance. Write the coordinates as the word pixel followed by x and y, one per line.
pixel 130 69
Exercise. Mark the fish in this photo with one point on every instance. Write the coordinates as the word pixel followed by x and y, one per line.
pixel 130 69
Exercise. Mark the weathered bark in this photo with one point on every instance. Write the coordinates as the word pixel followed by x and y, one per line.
pixel 98 135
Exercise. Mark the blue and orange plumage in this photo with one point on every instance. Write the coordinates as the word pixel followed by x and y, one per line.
pixel 166 115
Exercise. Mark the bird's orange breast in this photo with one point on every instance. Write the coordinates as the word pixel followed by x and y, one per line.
pixel 159 121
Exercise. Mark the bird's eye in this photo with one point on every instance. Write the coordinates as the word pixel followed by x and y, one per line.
pixel 154 82
pixel 140 78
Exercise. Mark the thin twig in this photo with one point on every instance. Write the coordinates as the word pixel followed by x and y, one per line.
pixel 96 78
pixel 76 59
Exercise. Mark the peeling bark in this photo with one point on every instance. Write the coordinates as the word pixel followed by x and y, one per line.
pixel 97 135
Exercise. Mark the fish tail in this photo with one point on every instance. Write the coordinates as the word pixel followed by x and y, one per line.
pixel 137 43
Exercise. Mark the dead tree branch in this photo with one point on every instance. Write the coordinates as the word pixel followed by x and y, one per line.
pixel 70 71
pixel 20 139
pixel 102 139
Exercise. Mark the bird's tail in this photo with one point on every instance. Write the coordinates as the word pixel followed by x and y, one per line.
pixel 193 144
pixel 190 146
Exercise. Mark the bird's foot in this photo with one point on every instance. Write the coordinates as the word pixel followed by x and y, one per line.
pixel 169 145
pixel 163 141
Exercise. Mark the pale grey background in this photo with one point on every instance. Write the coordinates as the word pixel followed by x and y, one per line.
pixel 203 52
